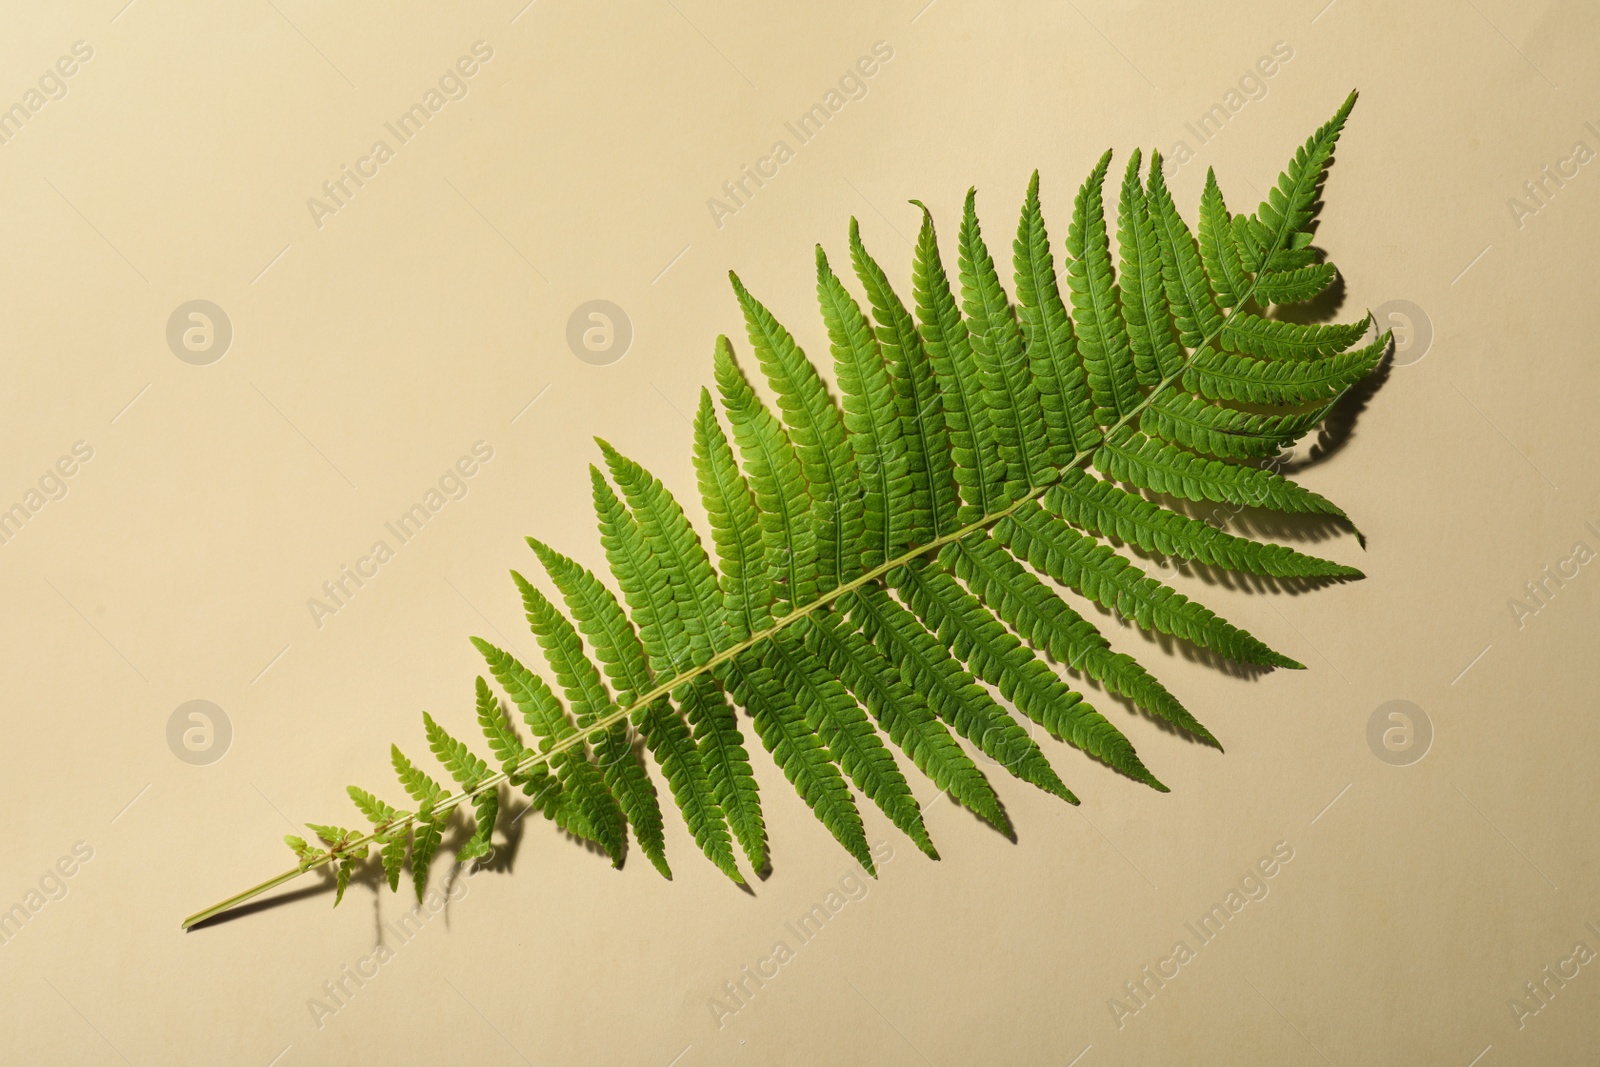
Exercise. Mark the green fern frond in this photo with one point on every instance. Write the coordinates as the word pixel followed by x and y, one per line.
pixel 927 667
pixel 1130 456
pixel 1048 623
pixel 1218 248
pixel 872 422
pixel 1293 286
pixel 1275 339
pixel 586 694
pixel 1281 383
pixel 1280 230
pixel 795 747
pixel 1006 381
pixel 904 716
pixel 1156 354
pixel 1102 508
pixel 1224 432
pixel 548 722
pixel 1096 304
pixel 904 566
pixel 817 429
pixel 704 776
pixel 1093 570
pixel 932 501
pixel 1194 307
pixel 977 469
pixel 783 497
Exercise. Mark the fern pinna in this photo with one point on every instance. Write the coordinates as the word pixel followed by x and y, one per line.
pixel 883 565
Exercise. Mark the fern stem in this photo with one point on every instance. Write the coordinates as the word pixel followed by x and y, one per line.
pixel 600 725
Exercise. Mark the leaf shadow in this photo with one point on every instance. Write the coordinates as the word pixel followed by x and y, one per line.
pixel 369 873
pixel 1337 430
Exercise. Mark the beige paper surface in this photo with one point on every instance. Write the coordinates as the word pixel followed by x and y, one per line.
pixel 392 314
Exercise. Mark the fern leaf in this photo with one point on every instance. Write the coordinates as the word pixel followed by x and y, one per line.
pixel 586 693
pixel 1194 308
pixel 1047 622
pixel 675 750
pixel 1249 243
pixel 1103 508
pixel 1062 554
pixel 797 751
pixel 548 721
pixel 871 421
pixel 783 499
pixel 1161 468
pixel 391 840
pixel 1052 349
pixel 340 839
pixel 377 811
pixel 721 749
pixel 467 769
pixel 542 787
pixel 690 582
pixel 1293 286
pixel 393 845
pixel 1102 335
pixel 423 789
pixel 851 740
pixel 1226 376
pixel 995 656
pixel 817 430
pixel 426 834
pixel 600 617
pixel 1156 355
pixel 1224 432
pixel 1218 249
pixel 735 527
pixel 645 576
pixel 335 836
pixel 485 810
pixel 469 772
pixel 928 668
pixel 932 501
pixel 1276 339
pixel 304 852
pixel 980 473
pixel 708 776
pixel 909 722
pixel 503 741
pixel 1016 415
pixel 687 578
pixel 647 553
pixel 1282 224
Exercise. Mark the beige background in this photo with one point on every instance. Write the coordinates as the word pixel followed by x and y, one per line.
pixel 430 312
